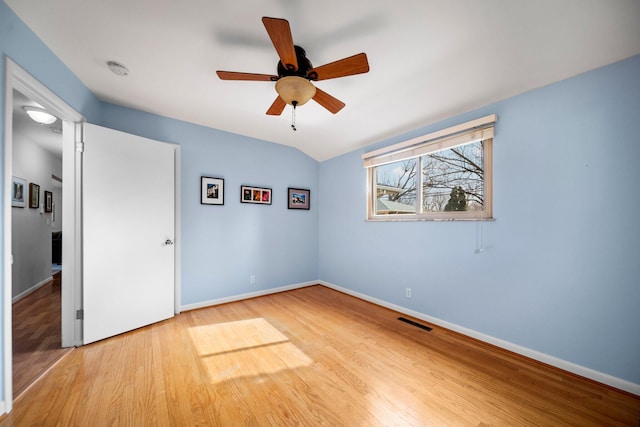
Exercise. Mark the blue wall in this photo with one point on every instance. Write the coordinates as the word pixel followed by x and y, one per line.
pixel 561 271
pixel 20 44
pixel 223 245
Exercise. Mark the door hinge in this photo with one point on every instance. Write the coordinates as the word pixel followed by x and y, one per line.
pixel 80 314
pixel 80 147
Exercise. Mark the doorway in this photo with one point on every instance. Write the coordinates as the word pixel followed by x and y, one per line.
pixel 36 242
pixel 75 289
pixel 19 80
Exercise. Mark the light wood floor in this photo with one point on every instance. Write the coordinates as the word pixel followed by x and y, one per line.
pixel 36 334
pixel 308 357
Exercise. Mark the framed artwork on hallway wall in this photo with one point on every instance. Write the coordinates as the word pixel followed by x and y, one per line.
pixel 255 195
pixel 211 191
pixel 34 195
pixel 48 201
pixel 18 189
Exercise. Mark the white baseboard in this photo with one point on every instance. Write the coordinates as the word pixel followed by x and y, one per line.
pixel 31 289
pixel 240 297
pixel 3 408
pixel 582 371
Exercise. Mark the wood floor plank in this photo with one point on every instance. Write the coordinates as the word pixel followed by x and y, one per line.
pixel 309 357
pixel 36 334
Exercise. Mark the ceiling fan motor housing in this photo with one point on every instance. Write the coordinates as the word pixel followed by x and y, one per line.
pixel 304 66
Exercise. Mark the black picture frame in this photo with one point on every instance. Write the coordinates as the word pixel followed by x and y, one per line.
pixel 48 201
pixel 211 191
pixel 299 198
pixel 34 195
pixel 255 195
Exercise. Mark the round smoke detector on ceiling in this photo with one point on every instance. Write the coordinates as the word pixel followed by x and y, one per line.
pixel 118 68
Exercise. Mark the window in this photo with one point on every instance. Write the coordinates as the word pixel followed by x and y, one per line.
pixel 446 175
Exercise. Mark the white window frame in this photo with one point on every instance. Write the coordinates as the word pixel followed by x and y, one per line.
pixel 481 129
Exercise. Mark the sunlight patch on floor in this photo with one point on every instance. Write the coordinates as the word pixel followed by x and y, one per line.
pixel 244 348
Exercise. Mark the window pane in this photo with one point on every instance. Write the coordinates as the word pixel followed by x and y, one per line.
pixel 453 179
pixel 396 188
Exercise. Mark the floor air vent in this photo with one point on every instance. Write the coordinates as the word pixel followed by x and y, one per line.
pixel 418 325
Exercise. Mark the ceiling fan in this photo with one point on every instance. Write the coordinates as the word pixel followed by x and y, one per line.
pixel 295 72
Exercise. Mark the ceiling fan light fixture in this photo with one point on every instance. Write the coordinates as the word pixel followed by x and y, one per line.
pixel 40 115
pixel 295 89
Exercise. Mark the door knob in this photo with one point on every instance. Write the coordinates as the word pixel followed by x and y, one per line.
pixel 168 242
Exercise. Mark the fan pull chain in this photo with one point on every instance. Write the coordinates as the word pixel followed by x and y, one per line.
pixel 293 116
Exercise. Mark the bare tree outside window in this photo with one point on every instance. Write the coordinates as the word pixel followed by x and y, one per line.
pixel 456 168
pixel 454 173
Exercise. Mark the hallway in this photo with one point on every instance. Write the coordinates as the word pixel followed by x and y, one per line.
pixel 36 334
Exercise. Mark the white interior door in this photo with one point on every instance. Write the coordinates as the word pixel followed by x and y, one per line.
pixel 128 231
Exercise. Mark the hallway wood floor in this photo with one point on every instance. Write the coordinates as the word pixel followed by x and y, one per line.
pixel 309 357
pixel 36 334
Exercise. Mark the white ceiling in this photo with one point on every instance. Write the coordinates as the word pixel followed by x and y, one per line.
pixel 429 59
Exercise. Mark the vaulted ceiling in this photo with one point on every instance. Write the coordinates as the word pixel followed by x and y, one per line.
pixel 429 59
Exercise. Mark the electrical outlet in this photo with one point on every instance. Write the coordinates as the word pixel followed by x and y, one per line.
pixel 407 292
pixel 252 279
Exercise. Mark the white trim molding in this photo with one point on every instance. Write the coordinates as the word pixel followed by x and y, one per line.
pixel 574 368
pixel 32 289
pixel 241 297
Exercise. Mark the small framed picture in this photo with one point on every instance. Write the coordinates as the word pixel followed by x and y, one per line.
pixel 34 195
pixel 48 201
pixel 298 198
pixel 18 192
pixel 256 195
pixel 211 191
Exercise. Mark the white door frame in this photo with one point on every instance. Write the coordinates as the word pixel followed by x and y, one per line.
pixel 17 78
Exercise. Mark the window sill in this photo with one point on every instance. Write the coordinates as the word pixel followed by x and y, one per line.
pixel 414 219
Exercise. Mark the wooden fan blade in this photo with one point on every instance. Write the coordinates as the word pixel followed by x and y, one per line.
pixel 277 107
pixel 280 34
pixel 233 75
pixel 327 101
pixel 356 64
